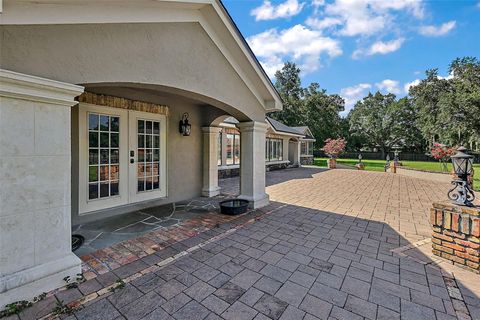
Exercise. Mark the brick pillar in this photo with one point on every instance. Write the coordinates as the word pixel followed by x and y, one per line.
pixel 456 234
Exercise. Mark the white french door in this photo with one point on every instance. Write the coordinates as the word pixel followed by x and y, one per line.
pixel 122 157
pixel 147 154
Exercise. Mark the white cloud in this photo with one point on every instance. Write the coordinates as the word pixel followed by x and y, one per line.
pixel 298 43
pixel 388 85
pixel 408 85
pixel 318 3
pixel 320 24
pixel 437 31
pixel 267 11
pixel 379 47
pixel 414 7
pixel 353 94
pixel 364 17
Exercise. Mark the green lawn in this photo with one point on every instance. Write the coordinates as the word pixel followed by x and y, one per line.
pixel 378 165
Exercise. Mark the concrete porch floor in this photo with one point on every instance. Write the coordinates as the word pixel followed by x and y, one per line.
pixel 109 231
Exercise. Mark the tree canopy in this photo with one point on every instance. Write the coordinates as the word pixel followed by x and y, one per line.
pixel 384 122
pixel 310 106
pixel 449 108
pixel 437 110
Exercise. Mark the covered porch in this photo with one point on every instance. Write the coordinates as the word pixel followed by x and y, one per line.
pixel 98 101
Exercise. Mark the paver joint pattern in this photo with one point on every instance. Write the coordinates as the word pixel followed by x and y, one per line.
pixel 311 254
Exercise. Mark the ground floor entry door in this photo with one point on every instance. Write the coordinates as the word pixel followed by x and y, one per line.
pixel 122 157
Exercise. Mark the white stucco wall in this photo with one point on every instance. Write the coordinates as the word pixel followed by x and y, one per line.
pixel 35 243
pixel 166 56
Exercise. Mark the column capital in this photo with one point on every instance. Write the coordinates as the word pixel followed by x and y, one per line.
pixel 258 126
pixel 211 129
pixel 27 87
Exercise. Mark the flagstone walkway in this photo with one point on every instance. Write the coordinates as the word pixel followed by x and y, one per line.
pixel 338 244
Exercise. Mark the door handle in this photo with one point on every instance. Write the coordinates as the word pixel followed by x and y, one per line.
pixel 132 156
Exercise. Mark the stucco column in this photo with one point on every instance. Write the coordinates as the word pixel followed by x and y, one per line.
pixel 35 188
pixel 296 153
pixel 252 165
pixel 210 166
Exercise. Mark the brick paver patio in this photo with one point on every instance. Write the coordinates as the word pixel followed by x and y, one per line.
pixel 332 245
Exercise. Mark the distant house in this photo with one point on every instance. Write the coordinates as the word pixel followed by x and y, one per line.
pixel 283 147
pixel 306 145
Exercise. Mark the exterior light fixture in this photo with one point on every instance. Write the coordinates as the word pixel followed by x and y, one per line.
pixel 462 194
pixel 184 127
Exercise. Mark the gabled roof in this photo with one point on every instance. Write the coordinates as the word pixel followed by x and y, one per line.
pixel 280 127
pixel 306 132
pixel 211 15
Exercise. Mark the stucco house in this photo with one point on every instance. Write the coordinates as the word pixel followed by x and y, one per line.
pixel 307 143
pixel 282 147
pixel 91 95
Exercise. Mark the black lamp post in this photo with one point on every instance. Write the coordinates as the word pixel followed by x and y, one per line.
pixel 462 194
pixel 184 127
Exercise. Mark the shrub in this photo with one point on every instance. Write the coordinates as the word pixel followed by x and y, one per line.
pixel 334 147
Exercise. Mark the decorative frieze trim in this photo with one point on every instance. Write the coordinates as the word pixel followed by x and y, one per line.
pixel 122 103
pixel 27 87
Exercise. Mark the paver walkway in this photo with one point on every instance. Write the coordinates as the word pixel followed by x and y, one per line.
pixel 323 249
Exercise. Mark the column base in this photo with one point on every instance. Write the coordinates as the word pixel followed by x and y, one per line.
pixel 211 192
pixel 257 202
pixel 29 283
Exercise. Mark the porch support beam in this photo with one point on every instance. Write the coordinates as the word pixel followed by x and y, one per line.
pixel 252 164
pixel 210 165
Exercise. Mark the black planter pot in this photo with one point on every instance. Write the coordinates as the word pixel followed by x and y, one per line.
pixel 234 207
pixel 77 241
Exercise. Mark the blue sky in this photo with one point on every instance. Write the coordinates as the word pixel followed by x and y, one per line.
pixel 351 47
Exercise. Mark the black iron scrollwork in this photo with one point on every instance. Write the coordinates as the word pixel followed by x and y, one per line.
pixel 461 193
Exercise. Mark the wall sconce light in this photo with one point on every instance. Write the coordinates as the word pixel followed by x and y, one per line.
pixel 462 194
pixel 184 127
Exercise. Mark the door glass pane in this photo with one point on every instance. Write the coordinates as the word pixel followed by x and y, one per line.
pixel 141 126
pixel 114 124
pixel 104 189
pixel 148 155
pixel 114 140
pixel 104 123
pixel 93 191
pixel 103 156
pixel 114 188
pixel 104 140
pixel 93 139
pixel 93 156
pixel 93 173
pixel 114 156
pixel 93 121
